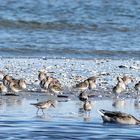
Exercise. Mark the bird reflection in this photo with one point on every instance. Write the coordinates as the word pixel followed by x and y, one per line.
pixel 87 119
pixel 81 110
pixel 13 101
pixel 43 116
pixel 118 103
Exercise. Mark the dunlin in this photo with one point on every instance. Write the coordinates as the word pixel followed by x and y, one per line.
pixel 17 85
pixel 120 87
pixel 93 78
pixel 127 80
pixel 118 117
pixel 54 88
pixel 43 105
pixel 83 96
pixel 92 82
pixel 56 82
pixel 3 89
pixel 44 84
pixel 7 79
pixel 83 85
pixel 22 84
pixel 42 75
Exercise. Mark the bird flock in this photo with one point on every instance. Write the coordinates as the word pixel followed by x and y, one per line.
pixel 49 84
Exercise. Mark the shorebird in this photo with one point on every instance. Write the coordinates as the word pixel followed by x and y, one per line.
pixel 83 96
pixel 3 89
pixel 119 87
pixel 42 75
pixel 55 88
pixel 87 106
pixel 56 81
pixel 82 85
pixel 44 84
pixel 137 87
pixel 127 80
pixel 17 85
pixel 7 79
pixel 118 117
pixel 92 82
pixel 22 84
pixel 43 105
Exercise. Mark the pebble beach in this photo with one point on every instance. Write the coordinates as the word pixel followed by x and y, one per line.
pixel 72 71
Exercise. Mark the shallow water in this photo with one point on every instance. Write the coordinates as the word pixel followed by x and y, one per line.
pixel 71 29
pixel 66 121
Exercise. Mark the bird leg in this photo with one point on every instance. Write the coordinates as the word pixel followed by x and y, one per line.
pixel 88 113
pixel 37 111
pixel 43 111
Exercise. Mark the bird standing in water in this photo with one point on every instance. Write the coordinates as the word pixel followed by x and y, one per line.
pixel 127 80
pixel 83 96
pixel 120 87
pixel 43 105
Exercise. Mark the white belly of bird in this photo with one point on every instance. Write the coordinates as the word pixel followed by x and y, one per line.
pixel 23 86
pixel 4 89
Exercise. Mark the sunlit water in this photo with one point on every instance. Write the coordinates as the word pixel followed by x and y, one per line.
pixel 66 121
pixel 70 28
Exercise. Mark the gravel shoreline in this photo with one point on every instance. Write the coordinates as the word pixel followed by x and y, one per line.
pixel 72 71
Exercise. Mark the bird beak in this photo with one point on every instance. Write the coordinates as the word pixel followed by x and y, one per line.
pixel 132 79
pixel 53 105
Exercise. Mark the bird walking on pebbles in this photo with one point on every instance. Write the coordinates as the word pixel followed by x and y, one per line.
pixel 120 87
pixel 17 85
pixel 42 75
pixel 48 83
pixel 55 88
pixel 92 82
pixel 89 83
pixel 44 84
pixel 127 80
pixel 7 79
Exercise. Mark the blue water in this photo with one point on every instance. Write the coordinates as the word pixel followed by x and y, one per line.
pixel 19 121
pixel 70 28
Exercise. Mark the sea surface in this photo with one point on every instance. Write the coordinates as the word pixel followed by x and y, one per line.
pixel 66 121
pixel 70 28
